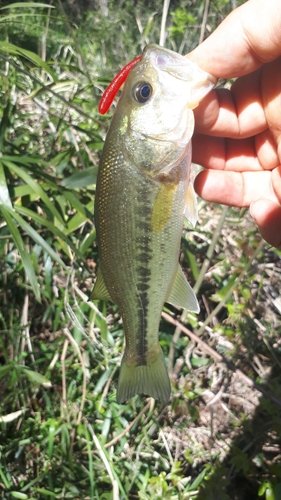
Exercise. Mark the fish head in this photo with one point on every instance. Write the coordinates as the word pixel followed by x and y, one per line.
pixel 156 106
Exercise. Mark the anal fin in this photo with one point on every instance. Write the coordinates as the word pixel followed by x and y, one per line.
pixel 100 291
pixel 182 294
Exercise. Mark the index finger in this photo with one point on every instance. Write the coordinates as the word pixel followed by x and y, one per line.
pixel 238 189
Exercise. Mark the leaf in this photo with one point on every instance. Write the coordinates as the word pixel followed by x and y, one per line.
pixel 25 160
pixel 21 5
pixel 223 291
pixel 54 230
pixel 6 121
pixel 192 263
pixel 197 481
pixel 36 188
pixel 102 381
pixel 88 241
pixel 269 494
pixel 10 417
pixel 12 16
pixel 63 86
pixel 45 492
pixel 12 49
pixel 38 239
pixel 4 370
pixel 81 179
pixel 4 192
pixel 36 377
pixel 22 190
pixel 78 219
pixel 73 199
pixel 22 251
pixel 262 489
pixel 18 494
pixel 200 361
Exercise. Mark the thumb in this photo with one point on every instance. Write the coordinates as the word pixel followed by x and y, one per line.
pixel 267 215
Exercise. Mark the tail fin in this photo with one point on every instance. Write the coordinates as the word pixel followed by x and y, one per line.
pixel 151 379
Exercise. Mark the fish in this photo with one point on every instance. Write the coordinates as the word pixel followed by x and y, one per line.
pixel 143 193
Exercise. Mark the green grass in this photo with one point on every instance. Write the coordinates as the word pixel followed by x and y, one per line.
pixel 62 434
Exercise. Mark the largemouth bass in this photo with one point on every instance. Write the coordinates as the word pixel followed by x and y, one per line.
pixel 142 194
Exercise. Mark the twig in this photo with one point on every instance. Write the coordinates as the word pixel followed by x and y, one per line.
pixel 63 371
pixel 204 21
pixel 215 355
pixel 128 428
pixel 26 333
pixel 163 22
pixel 106 388
pixel 218 357
pixel 162 436
pixel 87 301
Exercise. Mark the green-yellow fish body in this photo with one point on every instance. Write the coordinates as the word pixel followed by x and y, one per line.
pixel 143 192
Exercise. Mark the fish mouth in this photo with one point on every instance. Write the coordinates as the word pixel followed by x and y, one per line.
pixel 177 65
pixel 165 61
pixel 183 72
pixel 198 81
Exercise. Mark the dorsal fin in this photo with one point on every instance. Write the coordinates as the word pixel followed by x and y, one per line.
pixel 112 89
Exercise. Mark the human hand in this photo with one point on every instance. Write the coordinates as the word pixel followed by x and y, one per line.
pixel 238 131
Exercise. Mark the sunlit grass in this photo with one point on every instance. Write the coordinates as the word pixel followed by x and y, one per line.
pixel 62 434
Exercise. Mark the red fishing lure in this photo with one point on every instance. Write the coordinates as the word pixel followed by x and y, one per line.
pixel 112 89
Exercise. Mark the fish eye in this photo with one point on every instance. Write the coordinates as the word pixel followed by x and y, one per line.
pixel 142 92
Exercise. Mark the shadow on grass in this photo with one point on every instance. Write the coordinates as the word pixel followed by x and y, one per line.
pixel 252 466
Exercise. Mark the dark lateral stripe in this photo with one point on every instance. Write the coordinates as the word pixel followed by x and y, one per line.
pixel 144 255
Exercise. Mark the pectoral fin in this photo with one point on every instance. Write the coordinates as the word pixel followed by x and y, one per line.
pixel 182 294
pixel 100 291
pixel 191 209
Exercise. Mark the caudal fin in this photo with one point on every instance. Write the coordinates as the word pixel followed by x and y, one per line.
pixel 151 379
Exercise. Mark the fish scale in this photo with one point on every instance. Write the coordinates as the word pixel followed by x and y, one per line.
pixel 141 198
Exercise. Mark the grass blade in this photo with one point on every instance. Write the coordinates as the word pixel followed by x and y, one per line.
pixel 22 251
pixel 4 192
pixel 81 179
pixel 21 5
pixel 12 49
pixel 37 238
pixel 36 188
pixel 49 225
